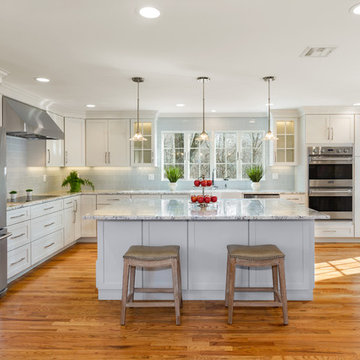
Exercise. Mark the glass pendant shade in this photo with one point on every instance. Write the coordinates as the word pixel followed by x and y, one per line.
pixel 138 136
pixel 204 135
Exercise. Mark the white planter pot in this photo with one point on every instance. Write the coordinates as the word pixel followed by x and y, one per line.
pixel 255 186
pixel 29 195
pixel 13 197
pixel 172 186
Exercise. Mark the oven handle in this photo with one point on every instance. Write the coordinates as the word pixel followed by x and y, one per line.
pixel 331 161
pixel 335 192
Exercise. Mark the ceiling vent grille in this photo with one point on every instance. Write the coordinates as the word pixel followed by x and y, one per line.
pixel 318 51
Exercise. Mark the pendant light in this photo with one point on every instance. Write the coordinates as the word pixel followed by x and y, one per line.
pixel 138 136
pixel 204 135
pixel 269 135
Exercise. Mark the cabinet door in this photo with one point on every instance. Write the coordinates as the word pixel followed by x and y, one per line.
pixel 142 151
pixel 69 226
pixel 77 210
pixel 55 148
pixel 88 206
pixel 96 143
pixel 74 142
pixel 119 144
pixel 317 129
pixel 342 128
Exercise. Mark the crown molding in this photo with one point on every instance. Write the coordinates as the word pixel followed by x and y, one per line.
pixel 213 115
pixel 285 113
pixel 123 114
pixel 329 110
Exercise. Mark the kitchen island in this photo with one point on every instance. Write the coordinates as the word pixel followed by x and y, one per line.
pixel 203 235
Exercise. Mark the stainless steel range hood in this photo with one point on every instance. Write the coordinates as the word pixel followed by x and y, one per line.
pixel 25 121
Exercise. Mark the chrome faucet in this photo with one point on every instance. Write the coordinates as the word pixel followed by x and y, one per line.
pixel 226 180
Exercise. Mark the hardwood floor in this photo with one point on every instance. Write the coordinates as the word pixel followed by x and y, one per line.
pixel 53 313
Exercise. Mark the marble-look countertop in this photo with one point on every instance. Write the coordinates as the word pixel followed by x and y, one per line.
pixel 63 194
pixel 233 209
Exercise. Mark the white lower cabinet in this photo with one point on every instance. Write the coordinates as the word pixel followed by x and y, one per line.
pixel 47 224
pixel 18 260
pixel 104 201
pixel 296 198
pixel 88 206
pixel 44 247
pixel 77 212
pixel 20 235
pixel 69 226
pixel 334 229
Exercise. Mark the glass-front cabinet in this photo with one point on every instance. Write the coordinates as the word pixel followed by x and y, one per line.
pixel 142 152
pixel 284 149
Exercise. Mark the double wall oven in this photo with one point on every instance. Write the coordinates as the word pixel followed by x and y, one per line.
pixel 331 181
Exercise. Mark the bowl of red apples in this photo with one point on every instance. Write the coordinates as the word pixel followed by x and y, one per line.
pixel 204 199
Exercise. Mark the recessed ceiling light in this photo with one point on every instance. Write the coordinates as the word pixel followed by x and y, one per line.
pixel 42 79
pixel 355 9
pixel 356 104
pixel 149 12
pixel 90 105
pixel 213 110
pixel 180 105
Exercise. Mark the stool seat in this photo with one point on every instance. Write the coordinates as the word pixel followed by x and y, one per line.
pixel 255 253
pixel 154 253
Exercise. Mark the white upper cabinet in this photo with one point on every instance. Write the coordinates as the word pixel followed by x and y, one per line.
pixel 284 147
pixel 329 129
pixel 107 142
pixel 142 152
pixel 55 148
pixel 74 142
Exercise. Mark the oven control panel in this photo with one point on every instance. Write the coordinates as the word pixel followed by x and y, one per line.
pixel 330 150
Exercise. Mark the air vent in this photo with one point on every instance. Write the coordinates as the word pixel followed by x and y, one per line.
pixel 317 51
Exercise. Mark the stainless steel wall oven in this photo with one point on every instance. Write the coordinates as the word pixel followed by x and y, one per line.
pixel 331 181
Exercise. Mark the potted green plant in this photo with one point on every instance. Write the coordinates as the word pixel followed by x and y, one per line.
pixel 13 195
pixel 255 173
pixel 173 174
pixel 29 194
pixel 75 182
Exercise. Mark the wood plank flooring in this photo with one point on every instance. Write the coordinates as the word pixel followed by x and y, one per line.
pixel 53 313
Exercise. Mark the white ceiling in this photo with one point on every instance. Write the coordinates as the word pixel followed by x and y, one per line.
pixel 90 49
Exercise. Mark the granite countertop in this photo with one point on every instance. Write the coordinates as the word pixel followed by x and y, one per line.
pixel 233 209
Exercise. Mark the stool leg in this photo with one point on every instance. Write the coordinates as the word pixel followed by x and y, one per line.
pixel 283 290
pixel 180 284
pixel 227 281
pixel 124 291
pixel 231 289
pixel 275 282
pixel 174 266
pixel 132 282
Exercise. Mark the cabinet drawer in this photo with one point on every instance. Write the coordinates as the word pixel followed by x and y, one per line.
pixel 145 197
pixel 106 200
pixel 18 260
pixel 20 235
pixel 334 229
pixel 68 203
pixel 46 246
pixel 296 198
pixel 18 215
pixel 47 208
pixel 47 224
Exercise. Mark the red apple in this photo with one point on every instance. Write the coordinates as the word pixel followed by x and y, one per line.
pixel 207 199
pixel 214 198
pixel 197 182
pixel 193 198
pixel 200 199
pixel 209 183
pixel 203 183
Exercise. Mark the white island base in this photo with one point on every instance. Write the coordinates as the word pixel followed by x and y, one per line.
pixel 203 255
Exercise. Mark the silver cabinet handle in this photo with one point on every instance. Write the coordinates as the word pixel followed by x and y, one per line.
pixel 17 236
pixel 69 202
pixel 109 161
pixel 48 156
pixel 328 129
pixel 47 225
pixel 66 157
pixel 332 133
pixel 17 216
pixel 114 199
pixel 105 157
pixel 76 205
pixel 74 216
pixel 49 208
pixel 16 262
pixel 47 246
pixel 329 231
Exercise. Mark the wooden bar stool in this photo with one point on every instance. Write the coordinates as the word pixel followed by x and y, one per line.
pixel 256 256
pixel 154 257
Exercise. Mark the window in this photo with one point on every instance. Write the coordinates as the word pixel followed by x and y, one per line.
pixel 199 161
pixel 252 150
pixel 196 158
pixel 226 155
pixel 173 150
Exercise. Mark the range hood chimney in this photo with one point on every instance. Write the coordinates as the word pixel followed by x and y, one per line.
pixel 29 122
